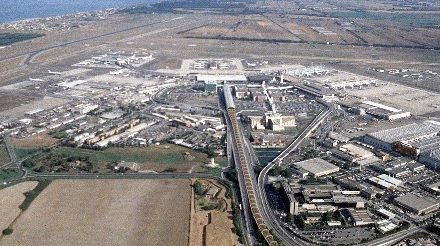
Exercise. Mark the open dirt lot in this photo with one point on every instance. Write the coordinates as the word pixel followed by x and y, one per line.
pixel 212 227
pixel 106 212
pixel 10 199
pixel 416 101
pixel 36 141
pixel 45 103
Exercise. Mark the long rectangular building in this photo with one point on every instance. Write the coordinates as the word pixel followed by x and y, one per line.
pixel 385 139
pixel 417 204
pixel 318 167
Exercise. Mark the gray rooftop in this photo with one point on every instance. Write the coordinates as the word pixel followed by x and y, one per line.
pixel 317 166
pixel 416 202
pixel 407 132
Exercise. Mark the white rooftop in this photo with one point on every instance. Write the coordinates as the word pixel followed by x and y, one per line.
pixel 378 105
pixel 317 166
pixel 221 77
pixel 407 132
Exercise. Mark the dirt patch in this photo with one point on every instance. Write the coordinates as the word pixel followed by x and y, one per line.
pixel 36 141
pixel 106 212
pixel 218 232
pixel 8 100
pixel 211 226
pixel 170 63
pixel 10 199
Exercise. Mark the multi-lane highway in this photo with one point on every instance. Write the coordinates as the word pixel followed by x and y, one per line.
pixel 287 237
pixel 253 194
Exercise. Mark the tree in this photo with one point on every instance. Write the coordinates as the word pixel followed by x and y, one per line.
pixel 275 171
pixel 170 170
pixel 198 188
pixel 289 218
pixel 286 173
pixel 28 163
pixel 7 231
pixel 258 169
pixel 328 216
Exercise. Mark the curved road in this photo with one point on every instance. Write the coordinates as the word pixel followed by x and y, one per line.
pixel 287 237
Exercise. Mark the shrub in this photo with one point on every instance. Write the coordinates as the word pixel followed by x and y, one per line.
pixel 7 231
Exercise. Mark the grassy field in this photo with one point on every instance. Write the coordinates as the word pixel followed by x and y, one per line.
pixel 106 212
pixel 162 154
pixel 413 19
pixel 24 152
pixel 162 158
pixel 4 156
pixel 8 174
pixel 10 38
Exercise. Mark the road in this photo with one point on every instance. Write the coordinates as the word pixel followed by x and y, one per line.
pixel 124 175
pixel 305 133
pixel 13 163
pixel 282 233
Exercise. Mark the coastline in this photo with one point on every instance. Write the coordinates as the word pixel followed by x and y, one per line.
pixel 64 8
pixel 58 16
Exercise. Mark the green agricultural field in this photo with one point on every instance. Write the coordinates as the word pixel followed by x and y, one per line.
pixel 4 156
pixel 162 154
pixel 162 158
pixel 10 38
pixel 410 19
pixel 24 152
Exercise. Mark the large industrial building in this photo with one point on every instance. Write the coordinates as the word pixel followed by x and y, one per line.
pixel 385 182
pixel 431 159
pixel 417 204
pixel 293 203
pixel 356 154
pixel 399 167
pixel 368 191
pixel 317 167
pixel 360 217
pixel 409 140
pixel 382 111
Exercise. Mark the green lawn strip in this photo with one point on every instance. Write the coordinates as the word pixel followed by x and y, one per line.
pixel 24 152
pixel 31 195
pixel 155 154
pixel 8 174
pixel 10 38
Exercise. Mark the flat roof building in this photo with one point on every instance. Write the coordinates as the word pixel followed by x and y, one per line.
pixel 386 213
pixel 360 217
pixel 221 77
pixel 431 159
pixel 316 90
pixel 384 139
pixel 389 179
pixel 293 203
pixel 417 204
pixel 381 183
pixel 318 167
